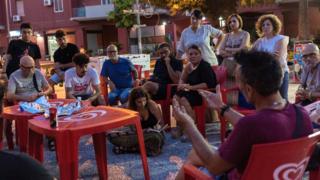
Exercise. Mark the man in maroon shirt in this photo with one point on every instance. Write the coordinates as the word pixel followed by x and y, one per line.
pixel 259 77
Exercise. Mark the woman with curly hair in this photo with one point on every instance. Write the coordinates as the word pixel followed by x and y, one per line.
pixel 268 28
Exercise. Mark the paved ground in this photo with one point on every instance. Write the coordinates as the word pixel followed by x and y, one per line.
pixel 128 166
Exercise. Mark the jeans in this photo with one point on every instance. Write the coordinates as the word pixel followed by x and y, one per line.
pixel 119 94
pixel 285 85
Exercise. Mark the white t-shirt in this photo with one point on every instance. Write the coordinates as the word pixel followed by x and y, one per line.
pixel 81 85
pixel 269 45
pixel 200 38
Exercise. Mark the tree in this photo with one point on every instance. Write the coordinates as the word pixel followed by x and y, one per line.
pixel 122 20
pixel 212 8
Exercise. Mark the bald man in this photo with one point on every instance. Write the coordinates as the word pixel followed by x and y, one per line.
pixel 309 89
pixel 27 83
pixel 118 72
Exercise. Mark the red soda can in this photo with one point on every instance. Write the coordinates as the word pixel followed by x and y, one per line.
pixel 53 117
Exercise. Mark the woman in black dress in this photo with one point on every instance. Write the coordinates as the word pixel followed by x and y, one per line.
pixel 197 74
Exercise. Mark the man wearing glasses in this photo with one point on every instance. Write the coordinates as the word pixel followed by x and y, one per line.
pixel 118 73
pixel 19 48
pixel 27 83
pixel 62 58
pixel 309 89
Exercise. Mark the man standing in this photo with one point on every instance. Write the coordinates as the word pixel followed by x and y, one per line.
pixel 62 58
pixel 27 83
pixel 309 89
pixel 119 71
pixel 21 47
pixel 83 81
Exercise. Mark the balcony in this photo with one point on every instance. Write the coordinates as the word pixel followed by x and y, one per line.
pixel 89 13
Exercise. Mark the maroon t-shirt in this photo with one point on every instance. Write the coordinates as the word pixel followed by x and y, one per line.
pixel 265 126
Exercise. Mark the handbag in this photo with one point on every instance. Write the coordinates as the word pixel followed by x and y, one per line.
pixel 127 141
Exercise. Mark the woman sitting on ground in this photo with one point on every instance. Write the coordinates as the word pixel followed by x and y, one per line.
pixel 151 118
pixel 197 74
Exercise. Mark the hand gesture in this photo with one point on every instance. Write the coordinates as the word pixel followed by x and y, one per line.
pixel 184 87
pixel 214 100
pixel 180 113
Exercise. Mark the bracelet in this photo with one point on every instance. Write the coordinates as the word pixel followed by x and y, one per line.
pixel 224 109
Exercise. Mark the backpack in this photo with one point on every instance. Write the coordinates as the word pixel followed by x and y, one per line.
pixel 127 141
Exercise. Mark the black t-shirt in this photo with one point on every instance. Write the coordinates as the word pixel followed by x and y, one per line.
pixel 19 48
pixel 64 55
pixel 203 74
pixel 20 166
pixel 161 74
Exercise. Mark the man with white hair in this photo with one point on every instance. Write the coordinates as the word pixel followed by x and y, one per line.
pixel 117 72
pixel 27 83
pixel 309 89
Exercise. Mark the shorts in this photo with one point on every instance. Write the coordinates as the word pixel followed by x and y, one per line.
pixel 83 97
pixel 162 92
pixel 193 97
pixel 55 78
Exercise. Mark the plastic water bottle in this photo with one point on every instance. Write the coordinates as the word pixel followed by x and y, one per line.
pixel 79 102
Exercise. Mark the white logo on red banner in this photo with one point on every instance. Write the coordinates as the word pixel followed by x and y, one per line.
pixel 290 171
pixel 88 115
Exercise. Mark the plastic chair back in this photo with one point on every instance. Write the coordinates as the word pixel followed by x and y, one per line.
pixel 139 70
pixel 280 160
pixel 221 74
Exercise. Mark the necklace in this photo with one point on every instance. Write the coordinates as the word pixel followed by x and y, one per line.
pixel 277 103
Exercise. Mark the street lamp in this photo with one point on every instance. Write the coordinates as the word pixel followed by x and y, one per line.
pixel 138 11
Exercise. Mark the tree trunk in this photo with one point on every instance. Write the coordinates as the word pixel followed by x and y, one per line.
pixel 303 20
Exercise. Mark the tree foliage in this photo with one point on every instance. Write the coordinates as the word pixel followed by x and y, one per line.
pixel 212 8
pixel 122 20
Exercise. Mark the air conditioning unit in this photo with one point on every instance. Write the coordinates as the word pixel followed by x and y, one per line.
pixel 47 2
pixel 16 18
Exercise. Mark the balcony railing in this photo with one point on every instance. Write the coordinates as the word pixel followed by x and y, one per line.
pixel 251 3
pixel 92 12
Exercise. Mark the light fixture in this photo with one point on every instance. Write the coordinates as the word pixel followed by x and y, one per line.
pixel 164 23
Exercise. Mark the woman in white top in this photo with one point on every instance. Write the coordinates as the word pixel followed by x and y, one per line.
pixel 198 34
pixel 268 28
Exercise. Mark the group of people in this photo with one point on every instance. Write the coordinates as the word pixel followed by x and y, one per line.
pixel 261 74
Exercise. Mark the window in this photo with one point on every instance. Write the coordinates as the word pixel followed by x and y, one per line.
pixel 58 6
pixel 20 8
pixel 105 2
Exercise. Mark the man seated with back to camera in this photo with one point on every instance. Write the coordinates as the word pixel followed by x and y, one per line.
pixel 259 76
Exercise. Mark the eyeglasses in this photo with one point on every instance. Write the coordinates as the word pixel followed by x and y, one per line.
pixel 111 52
pixel 27 68
pixel 305 56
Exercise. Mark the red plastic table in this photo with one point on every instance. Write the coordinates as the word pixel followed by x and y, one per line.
pixel 92 120
pixel 21 118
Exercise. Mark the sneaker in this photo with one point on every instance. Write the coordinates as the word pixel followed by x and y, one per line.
pixel 176 132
